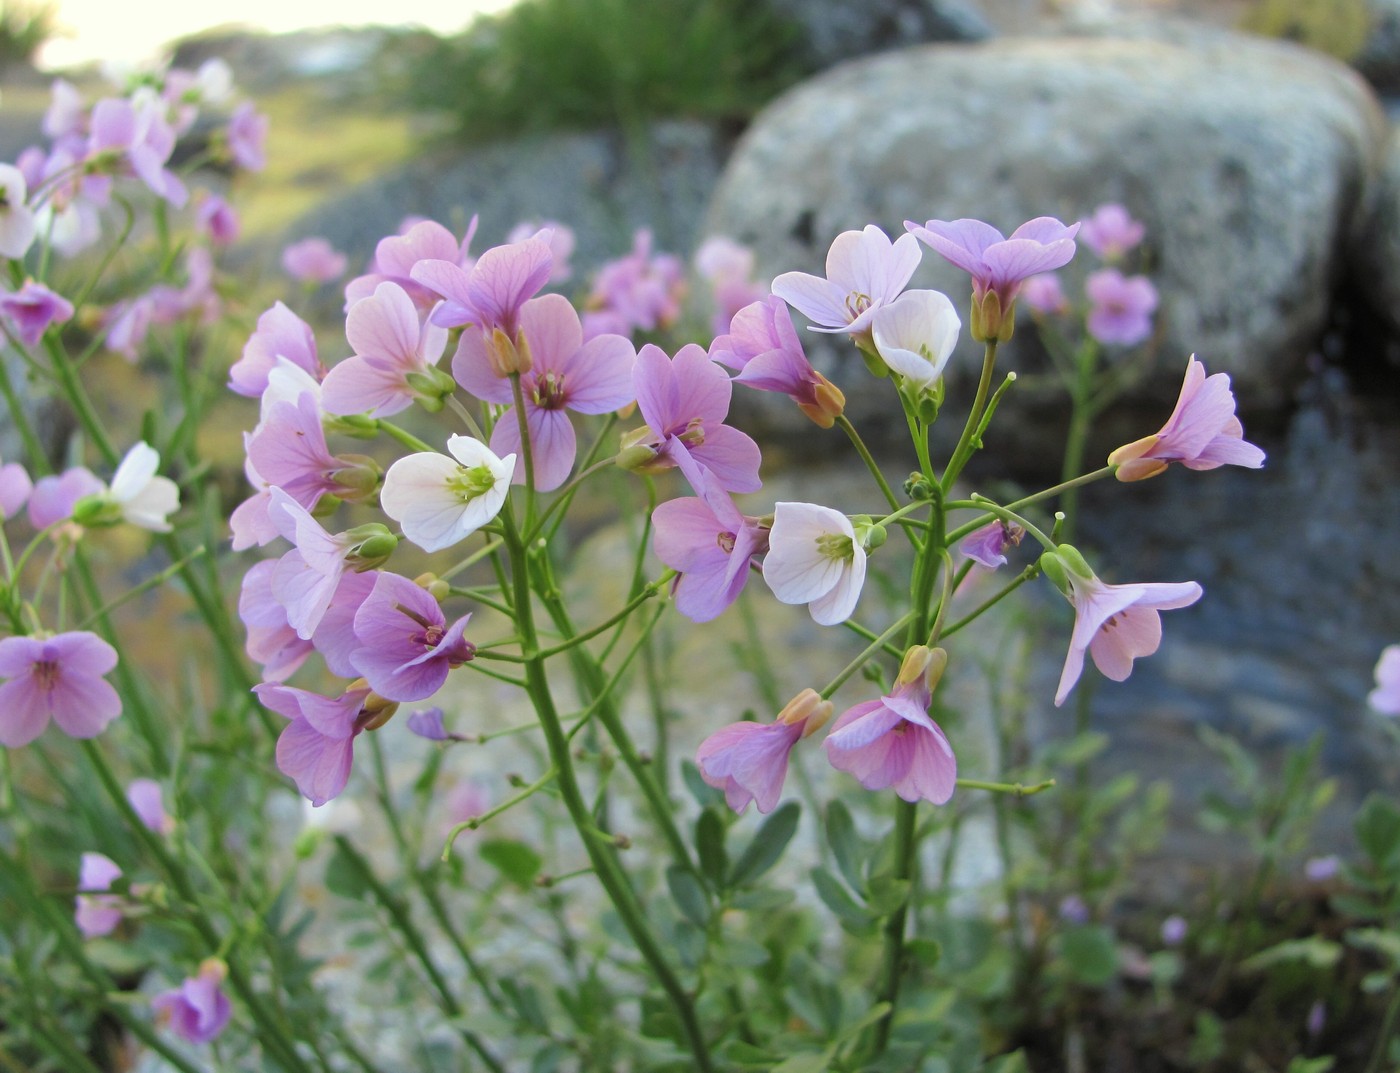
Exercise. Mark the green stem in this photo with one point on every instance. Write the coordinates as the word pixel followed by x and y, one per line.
pixel 601 852
pixel 963 451
pixel 906 815
pixel 869 460
pixel 1015 789
pixel 418 945
pixel 1383 1038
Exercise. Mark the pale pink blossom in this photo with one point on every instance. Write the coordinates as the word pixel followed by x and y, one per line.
pixel 97 914
pixel 712 545
pixel 316 749
pixel 893 741
pixel 1111 232
pixel 198 1010
pixel 1115 624
pixel 1202 432
pixel 280 334
pixel 864 272
pixel 915 335
pixel 144 796
pixel 441 500
pixel 1121 307
pixel 749 761
pixel 31 310
pixel 392 350
pixel 58 678
pixel 396 255
pixel 1385 698
pixel 815 558
pixel 17 227
pixel 313 260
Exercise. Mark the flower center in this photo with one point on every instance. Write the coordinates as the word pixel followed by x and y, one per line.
pixel 466 484
pixel 836 546
pixel 45 673
pixel 857 303
pixel 694 434
pixel 549 392
pixel 726 542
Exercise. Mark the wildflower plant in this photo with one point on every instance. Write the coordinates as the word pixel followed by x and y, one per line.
pixel 406 536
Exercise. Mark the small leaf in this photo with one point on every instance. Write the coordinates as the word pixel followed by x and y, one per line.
pixel 1314 952
pixel 806 1063
pixel 1378 831
pixel 709 844
pixel 514 860
pixel 767 845
pixel 838 899
pixel 887 894
pixel 845 843
pixel 1091 953
pixel 344 875
pixel 706 796
pixel 688 894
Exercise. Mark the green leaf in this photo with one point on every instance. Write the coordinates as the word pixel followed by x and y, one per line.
pixel 514 860
pixel 1383 942
pixel 868 1018
pixel 887 894
pixel 1015 1062
pixel 1377 828
pixel 838 899
pixel 767 845
pixel 1321 1064
pixel 806 1063
pixel 1314 952
pixel 706 796
pixel 709 844
pixel 688 894
pixel 845 843
pixel 1091 953
pixel 344 875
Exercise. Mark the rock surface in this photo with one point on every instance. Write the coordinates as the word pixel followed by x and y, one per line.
pixel 1248 160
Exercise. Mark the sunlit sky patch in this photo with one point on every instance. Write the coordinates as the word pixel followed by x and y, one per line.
pixel 136 31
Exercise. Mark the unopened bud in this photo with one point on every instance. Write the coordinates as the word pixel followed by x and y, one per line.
pixel 637 455
pixel 622 841
pixel 371 546
pixel 915 664
pixel 506 355
pixel 807 708
pixel 870 534
pixel 917 487
pixel 1073 561
pixel 430 387
pixel 360 426
pixel 827 405
pixel 97 510
pixel 357 479
pixel 438 588
pixel 1053 568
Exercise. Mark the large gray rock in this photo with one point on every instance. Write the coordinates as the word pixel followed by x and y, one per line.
pixel 1248 160
pixel 1378 243
pixel 836 30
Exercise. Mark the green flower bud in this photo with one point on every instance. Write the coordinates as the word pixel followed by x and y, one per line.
pixel 372 548
pixel 1054 569
pixel 96 510
pixel 1073 560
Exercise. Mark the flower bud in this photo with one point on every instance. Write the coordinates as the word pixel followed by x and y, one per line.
pixel 97 510
pixel 437 587
pixel 870 533
pixel 922 662
pixel 636 454
pixel 430 386
pixel 360 426
pixel 358 479
pixel 1054 569
pixel 806 708
pixel 372 545
pixel 1073 561
pixel 829 403
pixel 917 487
pixel 506 355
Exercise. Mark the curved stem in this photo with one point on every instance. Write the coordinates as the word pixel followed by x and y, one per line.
pixel 963 451
pixel 866 457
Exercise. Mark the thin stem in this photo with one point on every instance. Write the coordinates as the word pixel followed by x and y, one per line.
pixel 963 451
pixel 1015 789
pixel 490 814
pixel 1025 575
pixel 869 460
pixel 876 645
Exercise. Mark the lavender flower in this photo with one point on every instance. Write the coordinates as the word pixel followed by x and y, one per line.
pixel 58 678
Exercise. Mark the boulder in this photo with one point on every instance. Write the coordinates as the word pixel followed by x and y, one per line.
pixel 1248 160
pixel 836 30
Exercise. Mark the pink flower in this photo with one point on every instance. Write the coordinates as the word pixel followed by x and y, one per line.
pixel 561 242
pixel 15 487
pixel 406 647
pixel 58 678
pixel 1202 432
pixel 712 545
pixel 987 546
pixel 998 265
pixel 137 135
pixel 489 296
pixel 685 402
pixel 316 748
pixel 893 742
pixel 748 760
pixel 1111 231
pixel 198 1010
pixel 216 218
pixel 17 227
pixel 288 450
pixel 1385 698
pixel 54 497
pixel 313 260
pixel 396 256
pixel 272 642
pixel 763 345
pixel 1121 307
pixel 728 267
pixel 566 373
pixel 392 350
pixel 864 272
pixel 1114 623
pixel 145 798
pixel 280 333
pixel 247 135
pixel 643 290
pixel 97 914
pixel 32 308
pixel 1044 294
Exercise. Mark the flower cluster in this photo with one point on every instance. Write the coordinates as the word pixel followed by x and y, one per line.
pixel 525 368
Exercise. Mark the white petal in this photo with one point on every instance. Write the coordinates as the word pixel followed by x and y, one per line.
pixel 135 472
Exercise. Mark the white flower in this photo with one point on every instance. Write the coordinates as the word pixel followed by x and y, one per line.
pixel 439 501
pixel 145 500
pixel 915 335
pixel 17 227
pixel 815 558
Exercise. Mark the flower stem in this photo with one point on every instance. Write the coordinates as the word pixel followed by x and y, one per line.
pixel 866 457
pixel 963 451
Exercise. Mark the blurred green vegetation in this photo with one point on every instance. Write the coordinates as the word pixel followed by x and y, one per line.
pixel 1336 27
pixel 24 26
pixel 577 64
